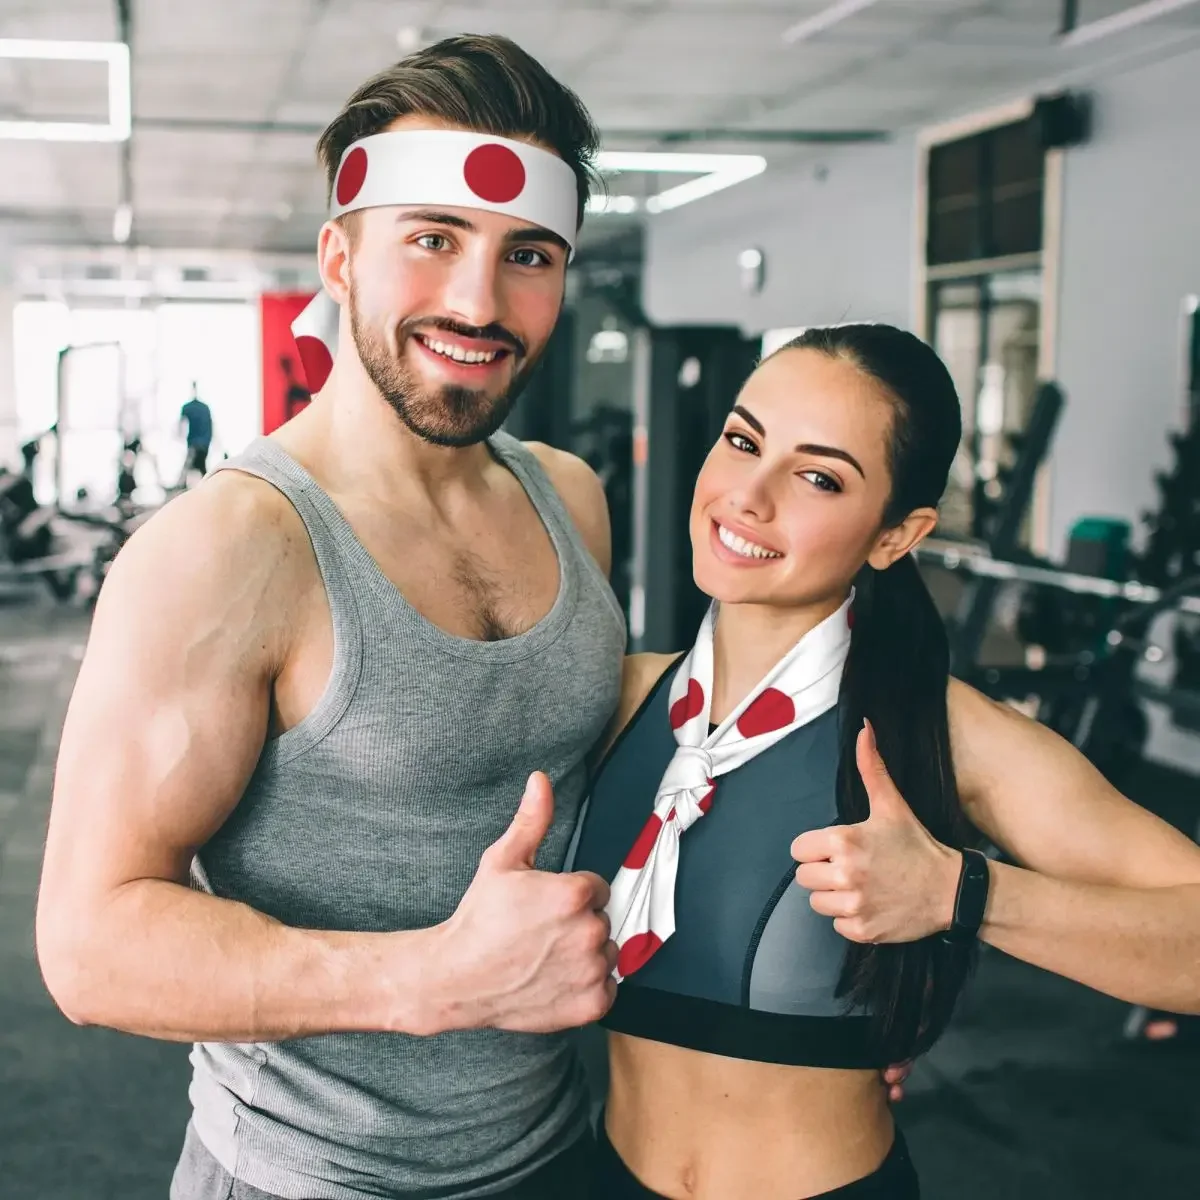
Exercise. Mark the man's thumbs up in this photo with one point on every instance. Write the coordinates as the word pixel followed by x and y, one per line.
pixel 527 949
pixel 518 845
pixel 885 879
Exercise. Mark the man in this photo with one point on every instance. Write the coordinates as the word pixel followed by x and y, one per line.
pixel 317 685
pixel 197 417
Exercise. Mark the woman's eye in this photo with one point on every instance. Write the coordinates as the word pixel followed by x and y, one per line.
pixel 819 479
pixel 426 238
pixel 739 441
pixel 529 258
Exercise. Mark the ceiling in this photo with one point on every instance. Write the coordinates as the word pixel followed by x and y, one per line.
pixel 229 95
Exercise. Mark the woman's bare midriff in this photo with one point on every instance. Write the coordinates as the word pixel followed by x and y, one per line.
pixel 696 1126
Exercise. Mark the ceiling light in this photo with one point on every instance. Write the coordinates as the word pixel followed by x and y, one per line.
pixel 819 22
pixel 695 189
pixel 120 104
pixel 1081 35
pixel 612 204
pixel 716 172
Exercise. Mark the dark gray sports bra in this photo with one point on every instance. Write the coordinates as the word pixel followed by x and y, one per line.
pixel 751 971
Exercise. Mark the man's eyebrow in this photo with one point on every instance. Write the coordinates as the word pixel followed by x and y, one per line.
pixel 534 233
pixel 433 216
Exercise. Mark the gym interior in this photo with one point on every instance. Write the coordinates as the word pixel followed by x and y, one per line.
pixel 1016 181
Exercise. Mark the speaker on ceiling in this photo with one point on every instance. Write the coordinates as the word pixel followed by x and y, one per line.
pixel 1062 120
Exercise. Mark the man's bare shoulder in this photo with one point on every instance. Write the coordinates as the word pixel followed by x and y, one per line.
pixel 583 494
pixel 233 515
pixel 233 544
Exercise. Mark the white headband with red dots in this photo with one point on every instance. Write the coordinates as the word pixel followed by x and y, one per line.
pixel 444 167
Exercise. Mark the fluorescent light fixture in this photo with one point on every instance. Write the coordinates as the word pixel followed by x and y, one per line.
pixel 716 172
pixel 1119 22
pixel 612 204
pixel 819 22
pixel 120 100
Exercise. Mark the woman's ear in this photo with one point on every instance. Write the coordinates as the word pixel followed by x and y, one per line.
pixel 893 544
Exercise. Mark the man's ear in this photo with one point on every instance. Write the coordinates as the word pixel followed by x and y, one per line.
pixel 893 544
pixel 333 260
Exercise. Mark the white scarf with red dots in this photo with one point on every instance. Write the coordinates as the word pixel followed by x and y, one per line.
pixel 798 689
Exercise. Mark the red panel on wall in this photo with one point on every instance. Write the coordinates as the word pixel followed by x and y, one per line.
pixel 284 393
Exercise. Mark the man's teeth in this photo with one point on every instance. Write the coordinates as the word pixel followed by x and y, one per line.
pixel 458 353
pixel 739 545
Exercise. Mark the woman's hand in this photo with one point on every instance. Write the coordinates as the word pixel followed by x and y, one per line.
pixel 885 879
pixel 894 1079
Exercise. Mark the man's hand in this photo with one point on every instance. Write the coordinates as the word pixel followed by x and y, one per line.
pixel 527 950
pixel 885 879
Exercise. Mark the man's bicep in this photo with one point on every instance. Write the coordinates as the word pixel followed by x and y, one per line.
pixel 166 722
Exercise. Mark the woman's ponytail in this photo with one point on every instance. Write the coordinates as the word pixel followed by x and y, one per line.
pixel 896 676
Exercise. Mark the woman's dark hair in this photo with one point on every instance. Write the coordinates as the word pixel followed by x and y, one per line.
pixel 484 83
pixel 896 675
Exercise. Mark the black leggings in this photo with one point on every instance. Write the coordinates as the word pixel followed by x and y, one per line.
pixel 894 1180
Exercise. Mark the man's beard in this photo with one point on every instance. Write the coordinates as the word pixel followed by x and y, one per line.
pixel 449 415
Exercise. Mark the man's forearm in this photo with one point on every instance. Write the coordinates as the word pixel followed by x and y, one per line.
pixel 164 961
pixel 1137 944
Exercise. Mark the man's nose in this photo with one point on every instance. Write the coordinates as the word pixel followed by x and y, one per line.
pixel 472 293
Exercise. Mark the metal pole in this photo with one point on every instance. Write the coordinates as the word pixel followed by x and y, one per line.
pixel 640 339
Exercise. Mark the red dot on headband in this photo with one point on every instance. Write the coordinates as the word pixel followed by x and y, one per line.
pixel 494 173
pixel 316 360
pixel 352 175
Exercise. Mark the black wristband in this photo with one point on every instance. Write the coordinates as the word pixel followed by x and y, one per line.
pixel 971 898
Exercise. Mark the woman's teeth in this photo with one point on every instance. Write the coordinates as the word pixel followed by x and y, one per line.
pixel 457 353
pixel 739 545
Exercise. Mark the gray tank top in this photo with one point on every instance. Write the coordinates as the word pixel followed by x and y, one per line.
pixel 371 815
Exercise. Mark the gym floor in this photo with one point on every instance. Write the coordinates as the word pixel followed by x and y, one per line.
pixel 1031 1095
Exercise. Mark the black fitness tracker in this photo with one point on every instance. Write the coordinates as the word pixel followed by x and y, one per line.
pixel 971 899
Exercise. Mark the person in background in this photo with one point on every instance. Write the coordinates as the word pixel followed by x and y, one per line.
pixel 197 417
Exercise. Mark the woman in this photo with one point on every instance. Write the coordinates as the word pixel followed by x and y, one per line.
pixel 758 998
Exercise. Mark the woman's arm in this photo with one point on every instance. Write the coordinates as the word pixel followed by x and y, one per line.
pixel 1110 895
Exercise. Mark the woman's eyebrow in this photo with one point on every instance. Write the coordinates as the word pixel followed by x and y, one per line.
pixel 805 447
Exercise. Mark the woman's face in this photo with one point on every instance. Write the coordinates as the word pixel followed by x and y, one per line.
pixel 789 503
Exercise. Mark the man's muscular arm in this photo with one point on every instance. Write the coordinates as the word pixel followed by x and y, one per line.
pixel 583 494
pixel 165 726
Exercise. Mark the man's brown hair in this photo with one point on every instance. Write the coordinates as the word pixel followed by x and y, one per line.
pixel 484 83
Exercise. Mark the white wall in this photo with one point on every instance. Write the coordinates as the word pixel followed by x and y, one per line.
pixel 836 232
pixel 841 248
pixel 1131 252
pixel 9 456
